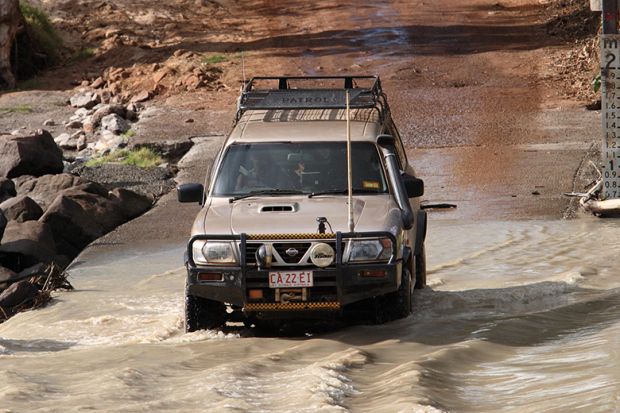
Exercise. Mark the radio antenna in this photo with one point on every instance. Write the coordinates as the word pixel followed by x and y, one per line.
pixel 243 67
pixel 243 85
pixel 349 167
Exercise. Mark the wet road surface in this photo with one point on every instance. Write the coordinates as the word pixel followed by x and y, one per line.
pixel 521 320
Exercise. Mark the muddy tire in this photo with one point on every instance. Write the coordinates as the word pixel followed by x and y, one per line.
pixel 202 314
pixel 420 269
pixel 404 296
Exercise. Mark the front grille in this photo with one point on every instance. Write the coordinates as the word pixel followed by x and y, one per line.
pixel 283 247
pixel 250 253
pixel 302 248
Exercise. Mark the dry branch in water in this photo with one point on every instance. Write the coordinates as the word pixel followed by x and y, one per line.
pixel 32 290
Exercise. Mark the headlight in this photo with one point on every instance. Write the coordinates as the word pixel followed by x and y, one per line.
pixel 212 252
pixel 370 250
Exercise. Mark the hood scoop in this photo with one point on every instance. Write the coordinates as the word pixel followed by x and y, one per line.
pixel 278 208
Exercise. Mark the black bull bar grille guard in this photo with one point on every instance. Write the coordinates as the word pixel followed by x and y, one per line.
pixel 236 291
pixel 243 238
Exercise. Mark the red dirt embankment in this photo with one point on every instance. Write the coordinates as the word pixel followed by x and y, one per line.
pixel 471 83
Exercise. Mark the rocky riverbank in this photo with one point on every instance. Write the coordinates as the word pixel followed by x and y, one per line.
pixel 48 216
pixel 54 202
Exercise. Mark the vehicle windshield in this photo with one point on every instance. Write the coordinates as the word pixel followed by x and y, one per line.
pixel 303 167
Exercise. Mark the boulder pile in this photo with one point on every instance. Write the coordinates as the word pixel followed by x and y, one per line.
pixel 97 128
pixel 184 71
pixel 46 216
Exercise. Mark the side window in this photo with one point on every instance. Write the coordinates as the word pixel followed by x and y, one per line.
pixel 400 150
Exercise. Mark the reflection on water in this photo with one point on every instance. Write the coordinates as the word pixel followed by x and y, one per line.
pixel 520 317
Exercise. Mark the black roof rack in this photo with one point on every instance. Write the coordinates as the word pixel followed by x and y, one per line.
pixel 364 92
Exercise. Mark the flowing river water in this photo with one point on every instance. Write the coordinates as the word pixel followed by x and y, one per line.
pixel 519 317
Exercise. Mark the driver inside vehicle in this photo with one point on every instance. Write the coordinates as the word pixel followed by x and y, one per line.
pixel 299 172
pixel 302 167
pixel 255 175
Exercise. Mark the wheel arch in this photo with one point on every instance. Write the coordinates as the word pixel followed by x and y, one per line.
pixel 408 261
pixel 420 235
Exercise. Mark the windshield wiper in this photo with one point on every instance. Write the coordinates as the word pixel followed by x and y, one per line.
pixel 343 192
pixel 272 191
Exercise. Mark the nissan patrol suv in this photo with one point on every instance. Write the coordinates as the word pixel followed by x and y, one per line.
pixel 311 209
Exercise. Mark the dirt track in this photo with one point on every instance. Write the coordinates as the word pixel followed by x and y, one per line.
pixel 466 82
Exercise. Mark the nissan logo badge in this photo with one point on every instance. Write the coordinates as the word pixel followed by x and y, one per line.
pixel 292 252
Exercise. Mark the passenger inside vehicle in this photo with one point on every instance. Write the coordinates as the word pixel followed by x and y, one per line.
pixel 306 167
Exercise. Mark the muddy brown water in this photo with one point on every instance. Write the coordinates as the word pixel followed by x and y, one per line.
pixel 519 317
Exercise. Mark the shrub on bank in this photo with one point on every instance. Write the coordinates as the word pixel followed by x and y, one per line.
pixel 37 46
pixel 143 157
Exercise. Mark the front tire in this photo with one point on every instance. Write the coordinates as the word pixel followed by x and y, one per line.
pixel 420 269
pixel 202 314
pixel 404 295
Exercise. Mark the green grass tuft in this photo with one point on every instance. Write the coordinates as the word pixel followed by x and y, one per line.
pixel 25 108
pixel 143 157
pixel 129 134
pixel 83 54
pixel 42 30
pixel 214 59
pixel 596 83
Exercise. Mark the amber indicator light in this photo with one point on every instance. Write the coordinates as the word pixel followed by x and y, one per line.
pixel 373 273
pixel 255 294
pixel 209 276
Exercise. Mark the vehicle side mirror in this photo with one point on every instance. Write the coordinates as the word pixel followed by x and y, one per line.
pixel 190 193
pixel 414 186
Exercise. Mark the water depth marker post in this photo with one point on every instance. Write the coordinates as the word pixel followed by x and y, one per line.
pixel 610 100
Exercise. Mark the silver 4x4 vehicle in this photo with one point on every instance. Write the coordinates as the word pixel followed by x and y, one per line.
pixel 277 238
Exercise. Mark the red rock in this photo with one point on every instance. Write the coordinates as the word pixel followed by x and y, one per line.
pixel 97 83
pixel 141 97
pixel 157 77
